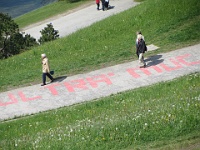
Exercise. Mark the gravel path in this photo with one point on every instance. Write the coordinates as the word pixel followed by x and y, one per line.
pixel 79 88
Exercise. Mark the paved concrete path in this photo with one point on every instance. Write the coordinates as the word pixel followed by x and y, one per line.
pixel 66 91
pixel 85 17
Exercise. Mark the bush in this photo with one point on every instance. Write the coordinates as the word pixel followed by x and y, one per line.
pixel 48 34
pixel 12 42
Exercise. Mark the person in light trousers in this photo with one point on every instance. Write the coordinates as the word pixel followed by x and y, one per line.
pixel 45 69
pixel 141 48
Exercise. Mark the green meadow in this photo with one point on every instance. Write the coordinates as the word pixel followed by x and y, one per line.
pixel 162 116
pixel 168 24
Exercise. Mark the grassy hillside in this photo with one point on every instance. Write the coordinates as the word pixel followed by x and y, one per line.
pixel 168 24
pixel 48 11
pixel 163 116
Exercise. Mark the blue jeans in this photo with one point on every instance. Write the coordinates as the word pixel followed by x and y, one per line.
pixel 44 77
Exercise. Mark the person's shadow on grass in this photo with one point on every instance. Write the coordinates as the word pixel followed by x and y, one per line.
pixel 154 60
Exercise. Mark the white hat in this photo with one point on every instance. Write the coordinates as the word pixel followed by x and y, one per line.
pixel 43 55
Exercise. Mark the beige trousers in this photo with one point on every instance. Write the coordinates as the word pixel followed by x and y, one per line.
pixel 141 60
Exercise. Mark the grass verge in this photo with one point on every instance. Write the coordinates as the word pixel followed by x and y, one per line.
pixel 168 24
pixel 146 118
pixel 48 11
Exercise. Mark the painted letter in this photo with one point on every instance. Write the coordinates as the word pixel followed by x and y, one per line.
pixel 147 72
pixel 12 98
pixel 52 88
pixel 181 60
pixel 26 99
pixel 75 84
pixel 93 81
pixel 167 68
pixel 132 72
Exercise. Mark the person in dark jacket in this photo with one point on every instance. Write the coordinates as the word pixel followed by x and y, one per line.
pixel 141 48
pixel 106 4
pixel 103 4
pixel 137 33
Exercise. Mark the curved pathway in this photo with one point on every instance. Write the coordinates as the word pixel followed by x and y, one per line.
pixel 79 88
pixel 72 22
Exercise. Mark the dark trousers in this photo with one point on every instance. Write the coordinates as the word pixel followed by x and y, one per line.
pixel 106 5
pixel 103 4
pixel 44 77
pixel 98 6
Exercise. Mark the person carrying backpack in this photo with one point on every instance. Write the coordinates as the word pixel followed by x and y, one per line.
pixel 141 48
pixel 136 42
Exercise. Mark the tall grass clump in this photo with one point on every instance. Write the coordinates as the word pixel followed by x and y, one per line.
pixel 168 24
pixel 143 118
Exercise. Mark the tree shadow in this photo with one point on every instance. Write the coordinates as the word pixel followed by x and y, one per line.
pixel 154 60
